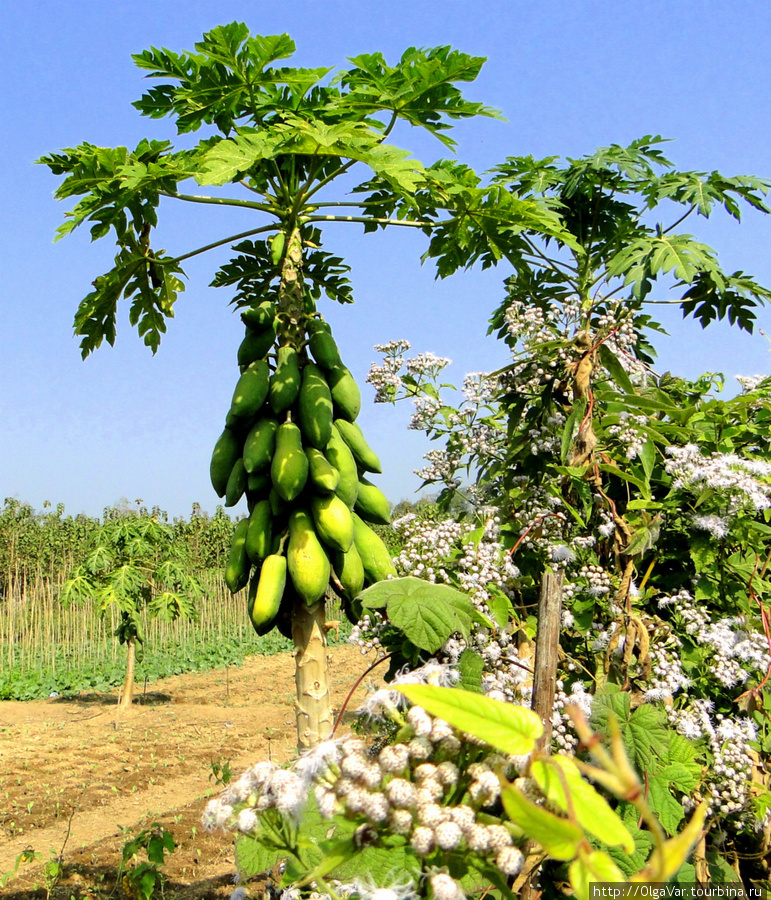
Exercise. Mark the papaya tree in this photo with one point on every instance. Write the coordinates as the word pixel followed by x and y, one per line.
pixel 134 563
pixel 289 141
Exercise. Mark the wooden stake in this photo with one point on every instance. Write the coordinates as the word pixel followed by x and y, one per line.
pixel 547 642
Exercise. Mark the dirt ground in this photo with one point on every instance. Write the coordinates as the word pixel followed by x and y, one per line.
pixel 77 782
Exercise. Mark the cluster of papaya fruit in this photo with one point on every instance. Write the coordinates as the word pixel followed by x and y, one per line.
pixel 292 446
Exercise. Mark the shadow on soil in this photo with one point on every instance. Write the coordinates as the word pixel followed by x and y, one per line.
pixel 151 698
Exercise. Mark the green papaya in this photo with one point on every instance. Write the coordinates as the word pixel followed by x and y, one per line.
pixel 349 571
pixel 333 521
pixel 371 503
pixel 251 391
pixel 258 483
pixel 265 592
pixel 321 472
pixel 226 451
pixel 289 469
pixel 362 453
pixel 286 380
pixel 259 535
pixel 236 485
pixel 277 247
pixel 374 554
pixel 324 349
pixel 315 407
pixel 255 345
pixel 260 445
pixel 309 566
pixel 346 395
pixel 237 570
pixel 259 317
pixel 278 506
pixel 339 455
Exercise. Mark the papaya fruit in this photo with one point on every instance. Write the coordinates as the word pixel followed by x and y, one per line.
pixel 265 592
pixel 258 483
pixel 251 391
pixel 259 317
pixel 322 474
pixel 226 451
pixel 236 485
pixel 259 446
pixel 333 521
pixel 339 455
pixel 286 380
pixel 259 535
pixel 375 558
pixel 308 564
pixel 277 247
pixel 315 407
pixel 362 452
pixel 255 345
pixel 289 469
pixel 324 349
pixel 371 503
pixel 346 395
pixel 349 571
pixel 237 570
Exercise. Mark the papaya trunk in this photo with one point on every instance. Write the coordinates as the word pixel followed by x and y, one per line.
pixel 127 694
pixel 312 705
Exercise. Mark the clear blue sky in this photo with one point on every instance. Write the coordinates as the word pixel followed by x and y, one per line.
pixel 568 77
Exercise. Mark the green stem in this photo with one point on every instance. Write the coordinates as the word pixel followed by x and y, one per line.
pixel 227 240
pixel 365 219
pixel 219 201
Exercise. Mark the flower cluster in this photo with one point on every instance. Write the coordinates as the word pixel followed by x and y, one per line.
pixel 733 476
pixel 630 437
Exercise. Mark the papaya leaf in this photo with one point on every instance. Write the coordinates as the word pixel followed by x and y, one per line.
pixel 512 729
pixel 592 811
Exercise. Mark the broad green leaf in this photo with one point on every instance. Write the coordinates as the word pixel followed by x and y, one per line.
pixel 378 864
pixel 253 857
pixel 575 417
pixel 512 729
pixel 592 868
pixel 669 810
pixel 556 774
pixel 558 837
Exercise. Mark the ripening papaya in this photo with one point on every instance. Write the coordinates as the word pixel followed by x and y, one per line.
pixel 265 592
pixel 346 395
pixel 286 380
pixel 375 558
pixel 371 503
pixel 349 571
pixel 226 451
pixel 236 485
pixel 315 407
pixel 362 452
pixel 255 345
pixel 259 317
pixel 237 570
pixel 308 564
pixel 259 535
pixel 333 521
pixel 260 445
pixel 324 349
pixel 251 391
pixel 322 474
pixel 339 455
pixel 289 469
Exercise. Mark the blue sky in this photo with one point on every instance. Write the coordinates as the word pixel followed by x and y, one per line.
pixel 568 77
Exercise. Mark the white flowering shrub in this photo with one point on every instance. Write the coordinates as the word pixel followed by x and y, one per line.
pixel 449 808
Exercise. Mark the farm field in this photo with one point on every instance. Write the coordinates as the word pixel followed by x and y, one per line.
pixel 73 775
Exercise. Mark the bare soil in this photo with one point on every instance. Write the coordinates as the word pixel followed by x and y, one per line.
pixel 77 780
